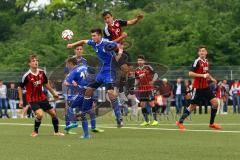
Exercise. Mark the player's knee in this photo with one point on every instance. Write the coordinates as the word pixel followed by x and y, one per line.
pixel 111 94
pixel 39 115
pixel 214 103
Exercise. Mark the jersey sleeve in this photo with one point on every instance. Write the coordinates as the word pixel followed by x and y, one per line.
pixel 90 42
pixel 194 66
pixel 23 82
pixel 107 36
pixel 70 77
pixel 123 23
pixel 45 79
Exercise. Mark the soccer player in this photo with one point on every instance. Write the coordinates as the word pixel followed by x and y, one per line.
pixel 80 77
pixel 33 81
pixel 113 32
pixel 71 90
pixel 145 77
pixel 107 72
pixel 201 90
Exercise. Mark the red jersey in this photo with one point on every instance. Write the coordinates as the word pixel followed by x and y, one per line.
pixel 200 66
pixel 115 30
pixel 144 75
pixel 33 84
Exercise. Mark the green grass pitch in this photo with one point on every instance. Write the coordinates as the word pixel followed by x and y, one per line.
pixel 128 143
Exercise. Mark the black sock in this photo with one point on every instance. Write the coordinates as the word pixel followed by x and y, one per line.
pixel 154 110
pixel 122 83
pixel 145 114
pixel 37 124
pixel 55 123
pixel 213 115
pixel 184 116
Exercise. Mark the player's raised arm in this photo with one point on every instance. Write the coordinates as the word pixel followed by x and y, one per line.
pixel 78 43
pixel 135 20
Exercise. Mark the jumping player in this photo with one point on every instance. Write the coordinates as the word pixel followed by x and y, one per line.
pixel 107 73
pixel 113 32
pixel 33 81
pixel 145 77
pixel 201 90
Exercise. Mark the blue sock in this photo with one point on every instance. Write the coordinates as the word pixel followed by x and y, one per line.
pixel 69 116
pixel 85 128
pixel 93 119
pixel 116 109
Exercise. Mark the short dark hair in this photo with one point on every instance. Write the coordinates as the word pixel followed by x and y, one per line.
pixel 32 56
pixel 96 30
pixel 202 46
pixel 106 13
pixel 72 60
pixel 141 57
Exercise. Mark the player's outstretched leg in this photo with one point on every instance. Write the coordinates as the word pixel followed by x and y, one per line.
pixel 155 112
pixel 214 107
pixel 70 124
pixel 55 122
pixel 186 113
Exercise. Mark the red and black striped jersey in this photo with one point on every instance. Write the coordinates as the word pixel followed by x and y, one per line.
pixel 115 30
pixel 200 66
pixel 33 83
pixel 144 75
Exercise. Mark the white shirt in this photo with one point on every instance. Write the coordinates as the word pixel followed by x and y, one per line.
pixel 178 91
pixel 3 91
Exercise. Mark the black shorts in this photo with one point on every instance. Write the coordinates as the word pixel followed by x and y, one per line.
pixel 44 105
pixel 95 85
pixel 145 96
pixel 199 96
pixel 124 59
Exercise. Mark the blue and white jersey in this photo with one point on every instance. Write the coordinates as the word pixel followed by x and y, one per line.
pixel 80 76
pixel 106 58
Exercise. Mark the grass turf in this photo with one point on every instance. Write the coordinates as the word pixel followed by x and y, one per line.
pixel 134 143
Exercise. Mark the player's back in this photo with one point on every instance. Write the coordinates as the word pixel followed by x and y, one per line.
pixel 200 66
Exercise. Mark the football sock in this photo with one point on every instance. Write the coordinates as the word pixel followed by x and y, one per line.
pixel 55 123
pixel 213 115
pixel 145 114
pixel 185 115
pixel 37 124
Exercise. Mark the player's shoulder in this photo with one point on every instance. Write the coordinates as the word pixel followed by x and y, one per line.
pixel 148 66
pixel 25 75
pixel 196 61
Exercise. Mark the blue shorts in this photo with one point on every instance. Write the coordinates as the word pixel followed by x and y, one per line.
pixel 106 77
pixel 77 103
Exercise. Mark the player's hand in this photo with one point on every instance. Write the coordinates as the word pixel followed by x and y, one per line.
pixel 21 104
pixel 140 16
pixel 56 97
pixel 124 34
pixel 206 75
pixel 74 84
pixel 69 45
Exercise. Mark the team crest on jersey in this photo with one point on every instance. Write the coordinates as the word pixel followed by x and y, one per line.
pixel 37 83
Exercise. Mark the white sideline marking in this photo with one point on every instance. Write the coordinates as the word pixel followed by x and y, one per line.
pixel 132 128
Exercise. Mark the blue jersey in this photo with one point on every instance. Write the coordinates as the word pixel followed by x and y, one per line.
pixel 107 73
pixel 106 58
pixel 79 75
